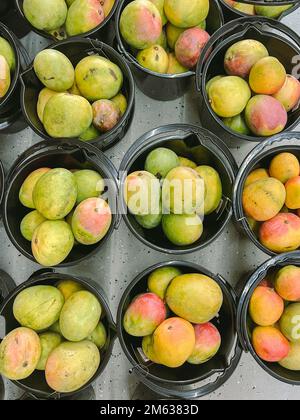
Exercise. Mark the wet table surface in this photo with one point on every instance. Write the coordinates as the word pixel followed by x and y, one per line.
pixel 115 266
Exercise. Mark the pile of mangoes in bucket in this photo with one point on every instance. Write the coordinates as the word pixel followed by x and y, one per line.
pixel 257 94
pixel 60 333
pixel 7 66
pixel 188 334
pixel 275 309
pixel 271 201
pixel 64 105
pixel 166 35
pixel 63 18
pixel 173 192
pixel 68 211
pixel 272 12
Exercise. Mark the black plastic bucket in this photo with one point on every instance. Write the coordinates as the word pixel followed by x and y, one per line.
pixel 36 384
pixel 188 381
pixel 11 120
pixel 259 157
pixel 76 49
pixel 199 145
pixel 9 17
pixel 104 32
pixel 69 155
pixel 231 14
pixel 281 41
pixel 245 324
pixel 164 87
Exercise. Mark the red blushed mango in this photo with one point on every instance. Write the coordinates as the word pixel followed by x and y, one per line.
pixel 293 193
pixel 282 233
pixel 266 306
pixel 270 344
pixel 256 175
pixel 208 342
pixel 284 167
pixel 267 76
pixel 91 221
pixel 265 116
pixel 289 94
pixel 189 46
pixel 263 199
pixel 145 313
pixel 287 283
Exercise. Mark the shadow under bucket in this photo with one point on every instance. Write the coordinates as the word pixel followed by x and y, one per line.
pixel 281 42
pixel 164 87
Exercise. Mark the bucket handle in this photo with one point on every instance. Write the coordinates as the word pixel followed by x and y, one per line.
pixel 244 24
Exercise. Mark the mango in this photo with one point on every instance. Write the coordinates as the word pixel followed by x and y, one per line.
pixel 183 192
pixel 46 15
pixel 237 124
pixel 284 166
pixel 289 94
pixel 150 221
pixel 257 175
pixel 267 76
pixel 29 224
pixel 229 96
pixel 106 115
pixel 138 15
pixel 55 328
pixel 38 307
pixel 265 116
pixel 162 40
pixel 80 316
pixel 89 184
pixel 154 58
pixel 49 342
pixel 190 45
pixel 68 287
pixel 194 297
pixel 55 194
pixel 213 187
pixel 263 199
pixel 67 116
pixel 54 70
pixel 98 78
pixel 186 13
pixel 266 306
pixel 142 193
pixel 20 352
pixel 90 134
pixel 287 283
pixel 91 221
pixel 208 343
pixel 174 342
pixel 174 66
pixel 26 190
pixel 187 163
pixel 211 81
pixel 98 336
pixel 121 102
pixel 72 365
pixel 293 193
pixel 52 242
pixel 161 161
pixel 44 96
pixel 182 229
pixel 292 361
pixel 270 344
pixel 159 280
pixel 107 6
pixel 7 51
pixel 173 33
pixel 249 9
pixel 74 89
pixel 147 346
pixel 160 7
pixel 144 314
pixel 282 233
pixel 241 57
pixel 272 12
pixel 5 78
pixel 83 16
pixel 290 323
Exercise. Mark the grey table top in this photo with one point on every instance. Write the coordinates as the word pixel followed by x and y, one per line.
pixel 124 257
